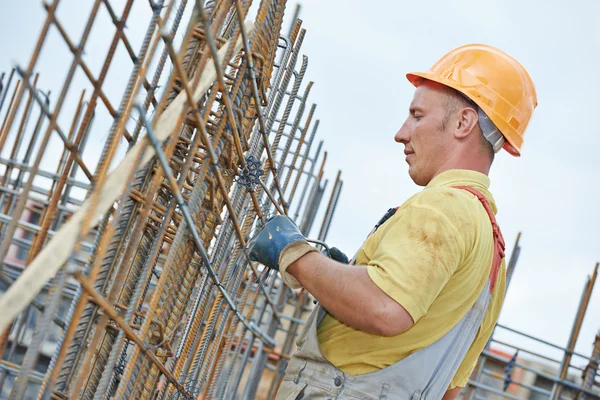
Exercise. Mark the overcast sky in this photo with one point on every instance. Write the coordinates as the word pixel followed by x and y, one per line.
pixel 359 53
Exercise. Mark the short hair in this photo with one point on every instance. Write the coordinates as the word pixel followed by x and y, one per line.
pixel 455 101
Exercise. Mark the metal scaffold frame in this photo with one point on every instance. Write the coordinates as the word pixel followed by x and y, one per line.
pixel 567 380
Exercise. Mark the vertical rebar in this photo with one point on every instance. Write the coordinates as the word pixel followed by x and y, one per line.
pixel 166 287
pixel 591 370
pixel 335 196
pixel 583 304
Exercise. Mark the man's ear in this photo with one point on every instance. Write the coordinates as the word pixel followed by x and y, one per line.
pixel 466 123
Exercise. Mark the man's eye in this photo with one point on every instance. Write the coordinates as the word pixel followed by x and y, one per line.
pixel 418 117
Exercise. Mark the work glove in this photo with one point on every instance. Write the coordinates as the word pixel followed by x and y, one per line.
pixel 337 255
pixel 277 245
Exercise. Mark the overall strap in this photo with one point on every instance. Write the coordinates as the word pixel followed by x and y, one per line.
pixel 499 245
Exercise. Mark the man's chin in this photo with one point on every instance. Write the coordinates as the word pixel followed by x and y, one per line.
pixel 416 177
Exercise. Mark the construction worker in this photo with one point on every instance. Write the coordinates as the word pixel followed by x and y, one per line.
pixel 411 314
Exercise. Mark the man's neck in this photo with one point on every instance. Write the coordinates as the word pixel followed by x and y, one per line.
pixel 478 163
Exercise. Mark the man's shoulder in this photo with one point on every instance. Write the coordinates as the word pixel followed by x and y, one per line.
pixel 456 208
pixel 445 199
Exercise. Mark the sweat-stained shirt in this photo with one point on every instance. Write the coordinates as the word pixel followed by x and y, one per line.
pixel 433 256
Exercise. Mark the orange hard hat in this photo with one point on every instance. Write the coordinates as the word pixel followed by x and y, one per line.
pixel 492 79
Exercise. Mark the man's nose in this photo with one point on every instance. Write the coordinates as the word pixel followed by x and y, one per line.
pixel 403 134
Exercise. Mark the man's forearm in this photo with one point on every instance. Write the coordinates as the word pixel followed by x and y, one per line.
pixel 452 393
pixel 348 293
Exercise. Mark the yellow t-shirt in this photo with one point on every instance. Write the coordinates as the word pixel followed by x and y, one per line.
pixel 433 256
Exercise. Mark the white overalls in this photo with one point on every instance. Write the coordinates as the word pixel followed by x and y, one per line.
pixel 425 374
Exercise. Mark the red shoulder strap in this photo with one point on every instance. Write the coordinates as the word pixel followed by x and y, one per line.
pixel 499 245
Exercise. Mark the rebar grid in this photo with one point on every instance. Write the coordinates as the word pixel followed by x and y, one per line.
pixel 150 269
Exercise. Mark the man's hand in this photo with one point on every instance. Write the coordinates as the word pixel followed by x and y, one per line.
pixel 278 244
pixel 267 245
pixel 338 255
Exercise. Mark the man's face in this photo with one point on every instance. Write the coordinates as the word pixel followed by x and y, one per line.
pixel 425 133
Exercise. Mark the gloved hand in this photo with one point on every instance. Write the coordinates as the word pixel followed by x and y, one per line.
pixel 337 255
pixel 277 245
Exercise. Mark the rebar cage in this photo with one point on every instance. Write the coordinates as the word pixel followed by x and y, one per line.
pixel 123 224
